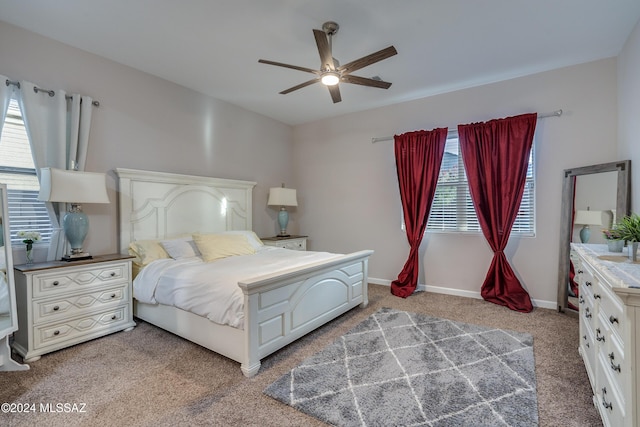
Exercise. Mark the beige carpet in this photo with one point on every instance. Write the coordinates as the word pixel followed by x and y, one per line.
pixel 148 377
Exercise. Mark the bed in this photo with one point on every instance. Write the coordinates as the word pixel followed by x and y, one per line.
pixel 278 307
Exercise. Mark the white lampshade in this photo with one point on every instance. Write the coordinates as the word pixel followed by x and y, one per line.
pixel 280 196
pixel 57 185
pixel 588 218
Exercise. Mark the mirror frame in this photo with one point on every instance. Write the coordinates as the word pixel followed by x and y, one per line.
pixel 623 206
pixel 4 212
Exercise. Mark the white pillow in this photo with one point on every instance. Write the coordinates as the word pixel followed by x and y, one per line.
pixel 181 248
pixel 217 246
pixel 252 238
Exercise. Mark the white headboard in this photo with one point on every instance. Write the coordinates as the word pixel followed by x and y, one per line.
pixel 157 205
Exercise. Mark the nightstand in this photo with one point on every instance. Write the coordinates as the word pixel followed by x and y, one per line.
pixel 65 303
pixel 298 243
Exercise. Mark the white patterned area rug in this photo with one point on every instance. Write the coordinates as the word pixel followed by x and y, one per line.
pixel 405 369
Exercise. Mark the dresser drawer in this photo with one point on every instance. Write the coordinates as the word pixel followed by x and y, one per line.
pixel 612 361
pixel 81 328
pixel 78 279
pixel 608 400
pixel 589 351
pixel 72 305
pixel 612 309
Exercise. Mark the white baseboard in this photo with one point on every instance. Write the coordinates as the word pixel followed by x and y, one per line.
pixel 460 292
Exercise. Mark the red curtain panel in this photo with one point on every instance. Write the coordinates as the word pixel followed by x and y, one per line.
pixel 495 156
pixel 418 159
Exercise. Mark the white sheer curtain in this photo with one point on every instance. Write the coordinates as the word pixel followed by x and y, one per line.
pixel 58 132
pixel 6 93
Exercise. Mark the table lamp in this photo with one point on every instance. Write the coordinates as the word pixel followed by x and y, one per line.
pixel 283 197
pixel 75 188
pixel 587 218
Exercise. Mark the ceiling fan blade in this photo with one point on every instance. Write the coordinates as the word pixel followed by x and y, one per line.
pixel 294 67
pixel 367 60
pixel 335 93
pixel 324 50
pixel 300 86
pixel 365 81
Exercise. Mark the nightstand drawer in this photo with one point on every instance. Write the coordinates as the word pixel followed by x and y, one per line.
pixel 296 243
pixel 81 328
pixel 78 279
pixel 73 305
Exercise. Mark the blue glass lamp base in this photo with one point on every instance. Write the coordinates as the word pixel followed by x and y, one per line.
pixel 585 234
pixel 283 220
pixel 76 225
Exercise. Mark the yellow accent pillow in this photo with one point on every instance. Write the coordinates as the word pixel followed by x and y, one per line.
pixel 146 251
pixel 217 246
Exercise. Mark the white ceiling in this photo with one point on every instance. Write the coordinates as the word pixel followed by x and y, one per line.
pixel 213 46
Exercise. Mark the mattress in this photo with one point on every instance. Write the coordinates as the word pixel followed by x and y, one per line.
pixel 210 289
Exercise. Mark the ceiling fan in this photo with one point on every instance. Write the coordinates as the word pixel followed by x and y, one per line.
pixel 331 72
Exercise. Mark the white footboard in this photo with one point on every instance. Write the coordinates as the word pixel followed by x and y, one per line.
pixel 280 308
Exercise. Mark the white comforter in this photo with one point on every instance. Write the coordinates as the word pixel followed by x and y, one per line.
pixel 210 289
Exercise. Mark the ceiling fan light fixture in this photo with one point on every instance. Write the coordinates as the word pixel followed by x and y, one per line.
pixel 330 78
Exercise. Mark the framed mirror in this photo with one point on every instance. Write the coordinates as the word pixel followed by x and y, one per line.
pixel 622 208
pixel 8 314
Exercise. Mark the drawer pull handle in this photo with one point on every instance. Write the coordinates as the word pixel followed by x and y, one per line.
pixel 613 320
pixel 56 283
pixel 56 332
pixel 581 299
pixel 114 317
pixel 587 283
pixel 580 271
pixel 56 308
pixel 598 336
pixel 113 295
pixel 596 296
pixel 614 367
pixel 607 405
pixel 587 313
pixel 113 273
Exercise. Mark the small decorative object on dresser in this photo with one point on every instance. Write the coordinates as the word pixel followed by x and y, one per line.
pixel 610 332
pixel 629 228
pixel 61 304
pixel 298 243
pixel 29 238
pixel 614 242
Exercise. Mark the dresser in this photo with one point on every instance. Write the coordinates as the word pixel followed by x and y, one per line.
pixel 65 303
pixel 298 243
pixel 609 305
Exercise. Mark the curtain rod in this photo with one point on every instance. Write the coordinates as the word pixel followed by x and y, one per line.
pixel 48 91
pixel 556 113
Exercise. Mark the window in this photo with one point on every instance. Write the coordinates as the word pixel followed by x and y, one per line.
pixel 452 209
pixel 17 170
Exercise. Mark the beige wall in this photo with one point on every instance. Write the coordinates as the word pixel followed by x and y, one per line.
pixel 350 192
pixel 144 122
pixel 629 111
